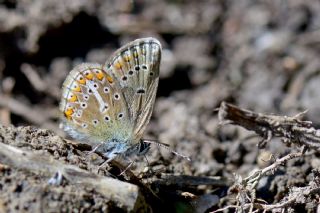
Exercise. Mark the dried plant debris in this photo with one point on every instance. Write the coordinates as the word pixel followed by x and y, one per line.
pixel 292 131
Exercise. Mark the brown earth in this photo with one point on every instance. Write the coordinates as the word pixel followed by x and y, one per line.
pixel 260 55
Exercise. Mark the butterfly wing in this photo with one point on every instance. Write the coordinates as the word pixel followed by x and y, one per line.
pixel 136 67
pixel 93 106
pixel 113 103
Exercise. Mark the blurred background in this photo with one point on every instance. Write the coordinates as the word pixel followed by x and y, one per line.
pixel 260 55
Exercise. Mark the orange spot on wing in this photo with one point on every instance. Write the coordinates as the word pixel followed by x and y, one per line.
pixel 127 58
pixel 76 88
pixel 88 75
pixel 118 65
pixel 99 75
pixel 69 112
pixel 73 98
pixel 110 79
pixel 81 80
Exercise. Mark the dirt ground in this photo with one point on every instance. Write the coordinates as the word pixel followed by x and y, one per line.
pixel 257 55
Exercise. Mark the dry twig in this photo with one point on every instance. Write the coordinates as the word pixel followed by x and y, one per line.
pixel 292 131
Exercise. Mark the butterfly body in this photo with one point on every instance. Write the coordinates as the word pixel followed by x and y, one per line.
pixel 110 105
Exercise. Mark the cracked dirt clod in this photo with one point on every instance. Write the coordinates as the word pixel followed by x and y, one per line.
pixel 33 170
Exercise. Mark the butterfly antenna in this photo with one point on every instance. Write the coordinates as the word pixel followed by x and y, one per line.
pixel 167 147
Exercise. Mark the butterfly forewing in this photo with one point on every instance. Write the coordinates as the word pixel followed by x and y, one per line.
pixel 136 66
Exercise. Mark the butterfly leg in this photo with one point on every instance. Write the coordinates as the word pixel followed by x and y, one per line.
pixel 128 167
pixel 105 164
pixel 95 148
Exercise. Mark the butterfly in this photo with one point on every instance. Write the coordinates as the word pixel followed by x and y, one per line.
pixel 110 105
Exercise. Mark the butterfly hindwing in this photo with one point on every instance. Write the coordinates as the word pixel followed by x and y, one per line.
pixel 93 105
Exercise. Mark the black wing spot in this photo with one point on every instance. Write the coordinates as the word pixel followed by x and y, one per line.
pixel 86 97
pixel 95 121
pixel 130 72
pixel 144 67
pixel 84 105
pixel 151 73
pixel 120 115
pixel 106 89
pixel 116 96
pixel 137 68
pixel 106 118
pixel 124 78
pixel 141 91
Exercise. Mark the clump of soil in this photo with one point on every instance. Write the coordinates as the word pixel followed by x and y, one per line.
pixel 261 56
